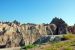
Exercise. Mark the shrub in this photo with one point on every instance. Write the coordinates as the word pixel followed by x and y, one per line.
pixel 28 47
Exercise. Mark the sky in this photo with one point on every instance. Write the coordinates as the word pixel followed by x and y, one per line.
pixel 37 11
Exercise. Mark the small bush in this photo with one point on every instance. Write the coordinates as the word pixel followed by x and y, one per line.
pixel 28 47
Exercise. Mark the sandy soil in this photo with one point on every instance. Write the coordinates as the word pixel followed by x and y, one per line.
pixel 14 48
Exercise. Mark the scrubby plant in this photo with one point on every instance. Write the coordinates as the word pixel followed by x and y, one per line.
pixel 28 47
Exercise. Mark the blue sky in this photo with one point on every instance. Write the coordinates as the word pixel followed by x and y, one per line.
pixel 37 11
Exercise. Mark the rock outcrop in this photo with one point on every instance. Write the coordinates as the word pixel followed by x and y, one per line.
pixel 10 36
pixel 14 34
pixel 71 29
pixel 61 26
pixel 32 32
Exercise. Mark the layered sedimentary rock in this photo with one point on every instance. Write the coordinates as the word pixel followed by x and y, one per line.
pixel 32 32
pixel 10 36
pixel 19 35
pixel 14 34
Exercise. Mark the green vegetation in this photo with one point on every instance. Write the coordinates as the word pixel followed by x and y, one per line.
pixel 28 47
pixel 69 36
pixel 68 44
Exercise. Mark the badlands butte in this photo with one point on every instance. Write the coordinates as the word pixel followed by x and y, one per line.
pixel 14 34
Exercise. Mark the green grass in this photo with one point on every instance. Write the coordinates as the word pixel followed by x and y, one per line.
pixel 64 45
pixel 28 47
pixel 69 36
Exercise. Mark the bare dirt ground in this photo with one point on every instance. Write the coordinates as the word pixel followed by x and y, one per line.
pixel 13 48
pixel 41 47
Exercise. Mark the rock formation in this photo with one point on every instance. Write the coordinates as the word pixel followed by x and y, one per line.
pixel 14 34
pixel 61 25
pixel 71 29
pixel 9 36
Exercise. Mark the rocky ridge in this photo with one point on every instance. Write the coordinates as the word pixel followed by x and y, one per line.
pixel 14 34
